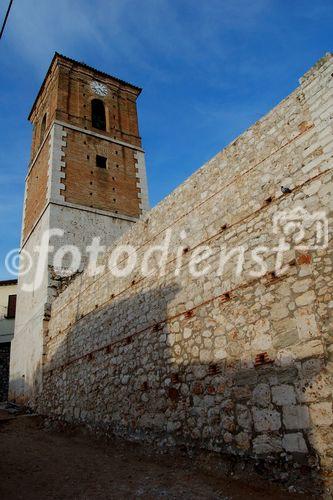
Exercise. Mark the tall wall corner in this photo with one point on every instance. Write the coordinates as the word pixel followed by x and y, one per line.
pixel 56 163
pixel 142 181
pixel 319 67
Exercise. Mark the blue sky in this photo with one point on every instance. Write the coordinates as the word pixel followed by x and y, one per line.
pixel 208 68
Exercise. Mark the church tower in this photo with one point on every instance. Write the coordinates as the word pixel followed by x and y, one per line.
pixel 86 179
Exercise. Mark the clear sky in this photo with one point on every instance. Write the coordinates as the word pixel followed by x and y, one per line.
pixel 208 68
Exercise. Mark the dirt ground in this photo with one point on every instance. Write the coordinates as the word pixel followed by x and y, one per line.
pixel 36 463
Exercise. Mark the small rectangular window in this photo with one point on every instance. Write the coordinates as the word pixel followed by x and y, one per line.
pixel 100 161
pixel 11 307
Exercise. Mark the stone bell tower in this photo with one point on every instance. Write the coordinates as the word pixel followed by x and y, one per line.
pixel 86 179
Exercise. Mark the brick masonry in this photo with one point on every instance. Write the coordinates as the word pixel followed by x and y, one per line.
pixel 36 189
pixel 114 188
pixel 63 160
pixel 4 370
pixel 234 364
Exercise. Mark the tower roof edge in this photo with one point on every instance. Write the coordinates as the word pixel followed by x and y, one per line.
pixel 58 56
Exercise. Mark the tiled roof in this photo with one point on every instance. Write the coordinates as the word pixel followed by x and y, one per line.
pixel 8 282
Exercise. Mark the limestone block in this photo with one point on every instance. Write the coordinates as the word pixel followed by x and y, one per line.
pixel 266 420
pixel 262 342
pixel 228 437
pixel 262 395
pixel 306 323
pixel 294 443
pixel 220 341
pixel 283 395
pixel 279 311
pixel 321 413
pixel 173 426
pixel 205 356
pixel 244 417
pixel 266 443
pixel 301 286
pixel 302 350
pixel 187 333
pixel 296 417
pixel 285 339
pixel 220 354
pixel 243 440
pixel 306 298
pixel 312 367
pixel 321 438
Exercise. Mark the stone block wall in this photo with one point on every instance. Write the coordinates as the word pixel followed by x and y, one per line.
pixel 4 370
pixel 237 363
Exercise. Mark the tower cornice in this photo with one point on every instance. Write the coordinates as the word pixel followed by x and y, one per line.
pixel 61 59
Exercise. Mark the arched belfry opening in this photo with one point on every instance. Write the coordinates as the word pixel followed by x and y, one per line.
pixel 98 114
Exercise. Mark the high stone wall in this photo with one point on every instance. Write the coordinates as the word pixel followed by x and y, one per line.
pixel 4 370
pixel 183 360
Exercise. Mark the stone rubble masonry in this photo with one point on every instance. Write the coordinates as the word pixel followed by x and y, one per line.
pixel 173 358
pixel 4 370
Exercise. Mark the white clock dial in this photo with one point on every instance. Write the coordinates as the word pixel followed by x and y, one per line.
pixel 99 88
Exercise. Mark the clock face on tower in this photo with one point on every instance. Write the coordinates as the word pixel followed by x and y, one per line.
pixel 99 88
